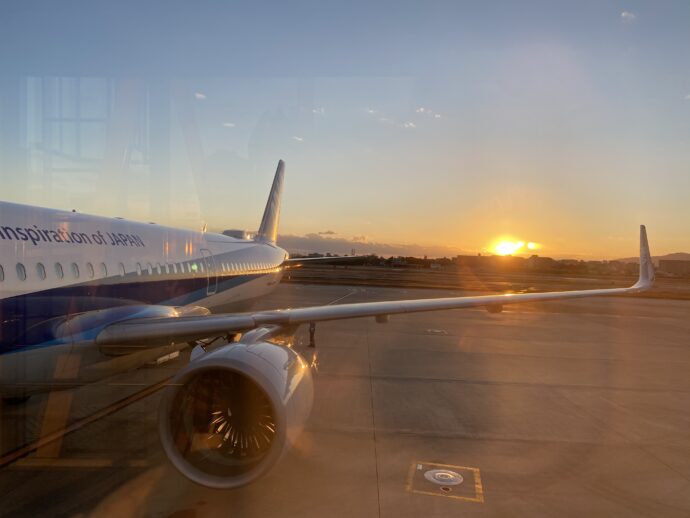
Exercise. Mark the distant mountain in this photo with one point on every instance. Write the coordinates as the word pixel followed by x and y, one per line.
pixel 677 256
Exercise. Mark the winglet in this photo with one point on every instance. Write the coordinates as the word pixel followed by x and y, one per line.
pixel 268 231
pixel 646 265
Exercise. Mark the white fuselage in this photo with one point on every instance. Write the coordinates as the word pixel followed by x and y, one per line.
pixel 55 265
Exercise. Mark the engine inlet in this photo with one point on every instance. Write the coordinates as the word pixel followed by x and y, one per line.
pixel 224 423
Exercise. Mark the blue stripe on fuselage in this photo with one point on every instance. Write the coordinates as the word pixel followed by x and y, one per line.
pixel 30 320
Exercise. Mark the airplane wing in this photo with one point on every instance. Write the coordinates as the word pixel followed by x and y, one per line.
pixel 168 330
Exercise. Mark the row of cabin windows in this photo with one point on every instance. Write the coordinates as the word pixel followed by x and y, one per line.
pixel 168 268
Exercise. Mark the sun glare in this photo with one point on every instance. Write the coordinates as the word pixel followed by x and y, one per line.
pixel 505 247
pixel 508 246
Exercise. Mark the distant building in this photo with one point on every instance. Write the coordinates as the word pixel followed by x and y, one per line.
pixel 674 267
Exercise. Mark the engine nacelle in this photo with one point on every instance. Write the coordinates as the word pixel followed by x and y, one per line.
pixel 228 417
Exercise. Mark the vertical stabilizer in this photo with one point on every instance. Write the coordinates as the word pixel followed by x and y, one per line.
pixel 268 231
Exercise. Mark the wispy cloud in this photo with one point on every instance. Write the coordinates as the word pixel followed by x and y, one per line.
pixel 409 125
pixel 687 97
pixel 318 111
pixel 298 139
pixel 428 112
pixel 628 16
pixel 327 233
pixel 200 95
pixel 229 124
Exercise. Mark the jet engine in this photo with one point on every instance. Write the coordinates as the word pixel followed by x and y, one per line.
pixel 228 417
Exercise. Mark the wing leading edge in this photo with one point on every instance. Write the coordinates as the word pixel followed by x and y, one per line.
pixel 189 328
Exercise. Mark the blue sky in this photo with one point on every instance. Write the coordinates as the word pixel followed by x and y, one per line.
pixel 443 124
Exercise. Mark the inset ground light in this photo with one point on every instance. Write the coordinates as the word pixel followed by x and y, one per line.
pixel 446 480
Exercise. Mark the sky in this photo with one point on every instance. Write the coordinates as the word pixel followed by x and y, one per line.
pixel 427 127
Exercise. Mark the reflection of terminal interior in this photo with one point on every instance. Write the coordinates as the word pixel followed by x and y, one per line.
pixel 83 134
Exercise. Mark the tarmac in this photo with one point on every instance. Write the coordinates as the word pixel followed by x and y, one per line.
pixel 577 408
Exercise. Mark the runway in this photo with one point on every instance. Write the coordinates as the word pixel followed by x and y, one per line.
pixel 562 408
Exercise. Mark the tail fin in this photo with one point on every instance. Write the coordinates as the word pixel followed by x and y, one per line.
pixel 268 231
pixel 646 265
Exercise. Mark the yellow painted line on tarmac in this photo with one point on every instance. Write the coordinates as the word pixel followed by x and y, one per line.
pixel 59 403
pixel 57 435
pixel 75 462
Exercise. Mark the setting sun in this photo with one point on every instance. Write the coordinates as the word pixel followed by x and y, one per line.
pixel 509 246
pixel 505 247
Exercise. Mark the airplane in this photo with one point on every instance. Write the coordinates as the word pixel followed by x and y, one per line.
pixel 84 297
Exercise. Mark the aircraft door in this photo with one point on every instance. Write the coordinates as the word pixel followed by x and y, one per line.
pixel 212 276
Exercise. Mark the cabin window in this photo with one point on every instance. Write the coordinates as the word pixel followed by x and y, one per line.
pixel 122 269
pixel 21 272
pixel 149 267
pixel 2 273
pixel 174 268
pixel 104 270
pixel 158 268
pixel 167 268
pixel 138 268
pixel 75 270
pixel 58 271
pixel 89 270
pixel 41 271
